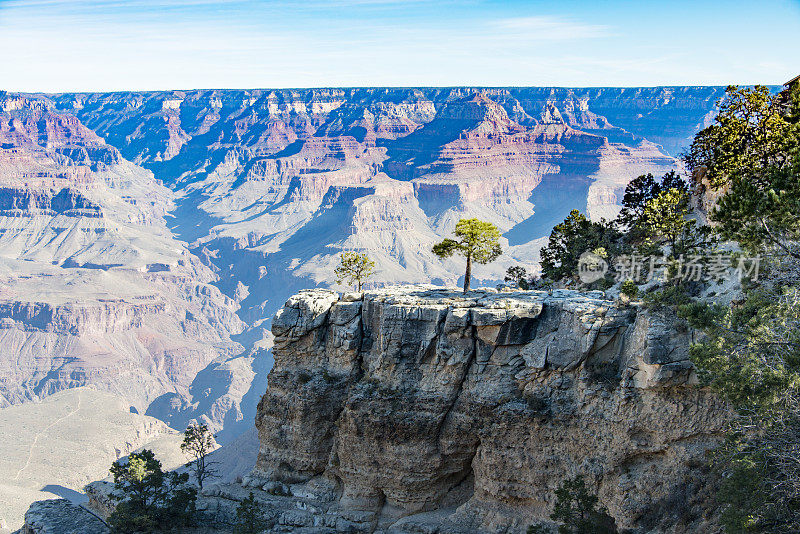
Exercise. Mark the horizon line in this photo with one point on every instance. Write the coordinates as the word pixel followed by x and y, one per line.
pixel 350 87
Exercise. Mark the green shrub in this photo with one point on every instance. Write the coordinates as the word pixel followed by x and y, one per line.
pixel 577 511
pixel 629 289
pixel 249 518
pixel 150 500
pixel 670 297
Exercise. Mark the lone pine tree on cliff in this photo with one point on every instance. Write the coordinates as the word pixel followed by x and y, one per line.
pixel 478 242
pixel 354 268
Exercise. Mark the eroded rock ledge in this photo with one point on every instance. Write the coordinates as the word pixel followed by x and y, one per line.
pixel 475 408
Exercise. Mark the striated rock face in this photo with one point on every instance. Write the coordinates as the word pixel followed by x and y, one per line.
pixel 411 400
pixel 147 238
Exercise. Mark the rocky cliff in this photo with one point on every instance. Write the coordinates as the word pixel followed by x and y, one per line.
pixel 147 238
pixel 263 189
pixel 423 408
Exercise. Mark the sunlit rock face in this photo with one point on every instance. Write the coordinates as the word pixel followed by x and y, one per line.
pixel 411 400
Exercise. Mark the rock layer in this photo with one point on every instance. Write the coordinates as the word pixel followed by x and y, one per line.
pixel 59 516
pixel 409 401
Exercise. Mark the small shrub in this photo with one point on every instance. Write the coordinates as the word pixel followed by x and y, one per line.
pixel 536 403
pixel 280 490
pixel 629 289
pixel 249 518
pixel 606 282
pixel 149 499
pixel 303 377
pixel 327 377
pixel 517 276
pixel 577 511
pixel 669 297
pixel 605 373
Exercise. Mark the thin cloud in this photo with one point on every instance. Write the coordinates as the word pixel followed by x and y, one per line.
pixel 551 28
pixel 157 44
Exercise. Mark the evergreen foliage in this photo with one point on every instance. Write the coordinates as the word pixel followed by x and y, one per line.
pixel 478 241
pixel 150 500
pixel 751 356
pixel 638 194
pixel 518 277
pixel 750 353
pixel 578 512
pixel 571 238
pixel 753 131
pixel 249 517
pixel 354 268
pixel 629 289
pixel 752 153
pixel 749 350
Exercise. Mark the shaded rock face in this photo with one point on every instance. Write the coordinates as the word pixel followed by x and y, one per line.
pixel 68 202
pixel 412 400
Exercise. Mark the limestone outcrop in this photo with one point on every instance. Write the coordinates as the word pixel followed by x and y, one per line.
pixel 414 406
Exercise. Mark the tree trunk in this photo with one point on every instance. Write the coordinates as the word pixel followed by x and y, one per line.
pixel 468 274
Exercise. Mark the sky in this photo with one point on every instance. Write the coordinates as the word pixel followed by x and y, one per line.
pixel 115 45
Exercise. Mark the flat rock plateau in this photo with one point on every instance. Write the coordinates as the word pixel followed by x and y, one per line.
pixel 147 238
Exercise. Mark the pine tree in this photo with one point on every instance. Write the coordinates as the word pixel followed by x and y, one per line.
pixel 354 268
pixel 249 517
pixel 198 442
pixel 479 242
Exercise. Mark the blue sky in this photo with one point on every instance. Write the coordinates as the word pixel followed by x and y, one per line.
pixel 105 45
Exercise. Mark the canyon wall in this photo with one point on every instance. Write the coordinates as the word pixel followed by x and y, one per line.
pixel 411 407
pixel 273 184
pixel 94 288
pixel 147 238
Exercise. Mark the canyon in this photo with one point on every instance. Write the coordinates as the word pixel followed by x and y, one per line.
pixel 147 238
